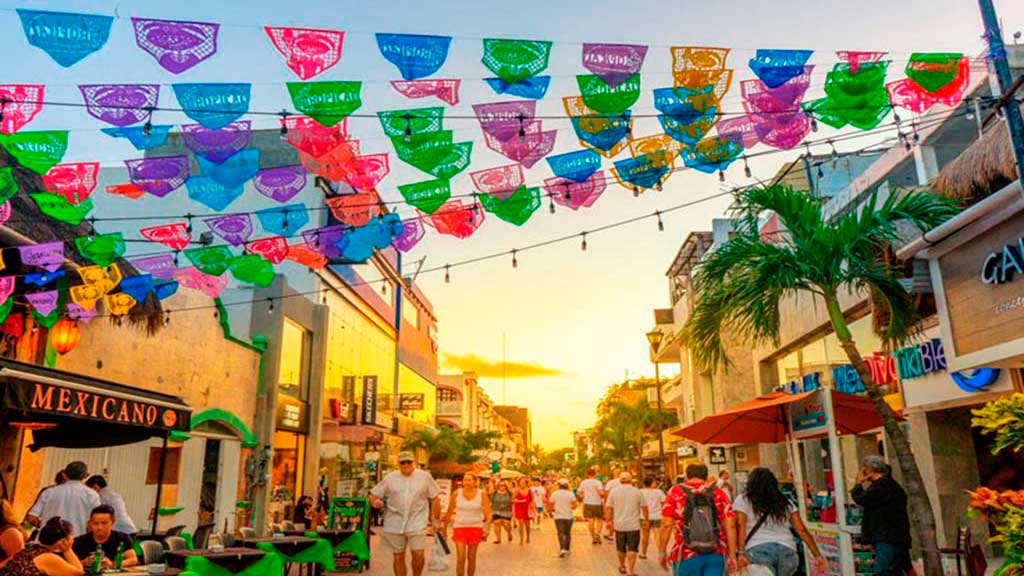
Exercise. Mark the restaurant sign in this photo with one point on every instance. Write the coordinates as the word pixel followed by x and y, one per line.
pixel 407 402
pixel 92 404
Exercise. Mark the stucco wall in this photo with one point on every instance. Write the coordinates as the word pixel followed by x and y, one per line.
pixel 189 358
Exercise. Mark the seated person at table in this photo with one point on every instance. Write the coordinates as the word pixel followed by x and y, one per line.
pixel 101 533
pixel 52 555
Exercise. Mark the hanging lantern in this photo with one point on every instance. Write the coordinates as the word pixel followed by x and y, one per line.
pixel 64 336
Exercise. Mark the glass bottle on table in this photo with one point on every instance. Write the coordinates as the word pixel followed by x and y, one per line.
pixel 97 560
pixel 119 558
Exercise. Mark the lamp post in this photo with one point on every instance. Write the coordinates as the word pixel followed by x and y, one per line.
pixel 654 337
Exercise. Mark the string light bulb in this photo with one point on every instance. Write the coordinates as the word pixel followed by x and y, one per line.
pixel 270 306
pixel 636 192
pixel 814 124
pixel 284 123
pixel 746 167
pixel 661 225
pixel 408 127
pixel 583 242
pixel 551 205
pixel 515 263
pixel 447 275
pixel 721 175
pixel 522 127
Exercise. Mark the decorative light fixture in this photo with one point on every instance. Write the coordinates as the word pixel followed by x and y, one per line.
pixel 64 336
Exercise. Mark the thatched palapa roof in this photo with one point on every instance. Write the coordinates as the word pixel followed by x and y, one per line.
pixel 985 166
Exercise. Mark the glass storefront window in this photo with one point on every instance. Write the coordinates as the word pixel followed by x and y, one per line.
pixel 286 470
pixel 293 373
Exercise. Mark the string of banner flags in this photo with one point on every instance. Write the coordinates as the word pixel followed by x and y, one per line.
pixel 695 130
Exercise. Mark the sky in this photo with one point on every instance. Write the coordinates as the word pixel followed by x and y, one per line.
pixel 569 322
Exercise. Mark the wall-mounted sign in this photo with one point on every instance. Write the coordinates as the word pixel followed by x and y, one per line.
pixel 291 414
pixel 1002 265
pixel 685 451
pixel 343 412
pixel 979 380
pixel 717 454
pixel 407 402
pixel 369 411
pixel 808 415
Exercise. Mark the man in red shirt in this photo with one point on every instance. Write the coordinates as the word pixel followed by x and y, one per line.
pixel 683 560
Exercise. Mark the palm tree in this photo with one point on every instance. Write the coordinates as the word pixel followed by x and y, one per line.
pixel 740 284
pixel 625 428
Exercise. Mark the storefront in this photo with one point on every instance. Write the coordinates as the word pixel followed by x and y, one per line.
pixel 977 267
pixel 79 417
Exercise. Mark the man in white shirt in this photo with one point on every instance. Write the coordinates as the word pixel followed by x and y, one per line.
pixel 611 485
pixel 412 499
pixel 590 492
pixel 122 521
pixel 71 500
pixel 564 503
pixel 624 509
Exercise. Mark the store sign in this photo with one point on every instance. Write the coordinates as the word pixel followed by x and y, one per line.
pixel 979 380
pixel 369 412
pixel 716 454
pixel 808 415
pixel 829 545
pixel 90 405
pixel 291 414
pixel 686 451
pixel 407 402
pixel 343 412
pixel 1002 265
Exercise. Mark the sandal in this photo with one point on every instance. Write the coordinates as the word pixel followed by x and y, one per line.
pixel 622 569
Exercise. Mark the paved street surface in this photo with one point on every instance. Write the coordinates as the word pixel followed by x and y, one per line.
pixel 539 557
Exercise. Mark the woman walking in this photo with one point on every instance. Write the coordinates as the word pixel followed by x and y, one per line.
pixel 469 513
pixel 762 534
pixel 655 499
pixel 501 506
pixel 522 501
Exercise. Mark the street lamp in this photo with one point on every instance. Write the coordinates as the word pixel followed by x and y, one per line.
pixel 654 337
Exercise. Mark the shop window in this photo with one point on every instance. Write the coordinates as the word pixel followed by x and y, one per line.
pixel 171 466
pixel 446 395
pixel 293 375
pixel 286 469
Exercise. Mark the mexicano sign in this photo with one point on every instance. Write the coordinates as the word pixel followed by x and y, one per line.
pixel 49 399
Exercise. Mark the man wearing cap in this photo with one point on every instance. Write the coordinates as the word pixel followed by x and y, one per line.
pixel 411 498
pixel 624 509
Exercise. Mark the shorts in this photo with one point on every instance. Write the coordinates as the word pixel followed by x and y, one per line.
pixel 397 543
pixel 593 512
pixel 468 535
pixel 500 518
pixel 628 541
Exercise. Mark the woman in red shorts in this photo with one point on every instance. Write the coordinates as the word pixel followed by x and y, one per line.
pixel 522 502
pixel 469 513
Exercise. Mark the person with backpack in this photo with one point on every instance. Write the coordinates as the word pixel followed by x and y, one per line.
pixel 696 512
pixel 764 518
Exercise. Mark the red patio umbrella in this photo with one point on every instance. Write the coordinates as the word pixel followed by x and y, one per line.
pixel 763 419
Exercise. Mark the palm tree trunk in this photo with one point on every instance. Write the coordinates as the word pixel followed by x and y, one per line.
pixel 922 516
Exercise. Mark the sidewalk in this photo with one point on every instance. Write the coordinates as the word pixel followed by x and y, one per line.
pixel 539 557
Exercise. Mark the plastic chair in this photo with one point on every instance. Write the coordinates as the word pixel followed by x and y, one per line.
pixel 175 530
pixel 175 543
pixel 201 537
pixel 152 551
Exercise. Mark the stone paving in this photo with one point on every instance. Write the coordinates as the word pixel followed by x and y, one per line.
pixel 539 557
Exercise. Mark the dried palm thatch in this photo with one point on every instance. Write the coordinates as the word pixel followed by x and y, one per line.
pixel 984 167
pixel 33 224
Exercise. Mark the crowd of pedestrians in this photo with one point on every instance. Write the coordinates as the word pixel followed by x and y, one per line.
pixel 701 525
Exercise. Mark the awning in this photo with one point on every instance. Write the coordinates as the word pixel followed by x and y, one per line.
pixel 763 419
pixel 69 410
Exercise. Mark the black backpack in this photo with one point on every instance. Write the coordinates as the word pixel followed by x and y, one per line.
pixel 700 521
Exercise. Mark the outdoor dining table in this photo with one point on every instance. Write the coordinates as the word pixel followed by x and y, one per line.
pixel 226 562
pixel 302 550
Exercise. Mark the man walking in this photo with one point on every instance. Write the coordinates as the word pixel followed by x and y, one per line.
pixel 612 484
pixel 886 524
pixel 624 510
pixel 590 492
pixel 696 512
pixel 71 500
pixel 122 521
pixel 564 503
pixel 411 499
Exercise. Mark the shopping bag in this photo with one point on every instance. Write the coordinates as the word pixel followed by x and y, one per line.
pixel 438 558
